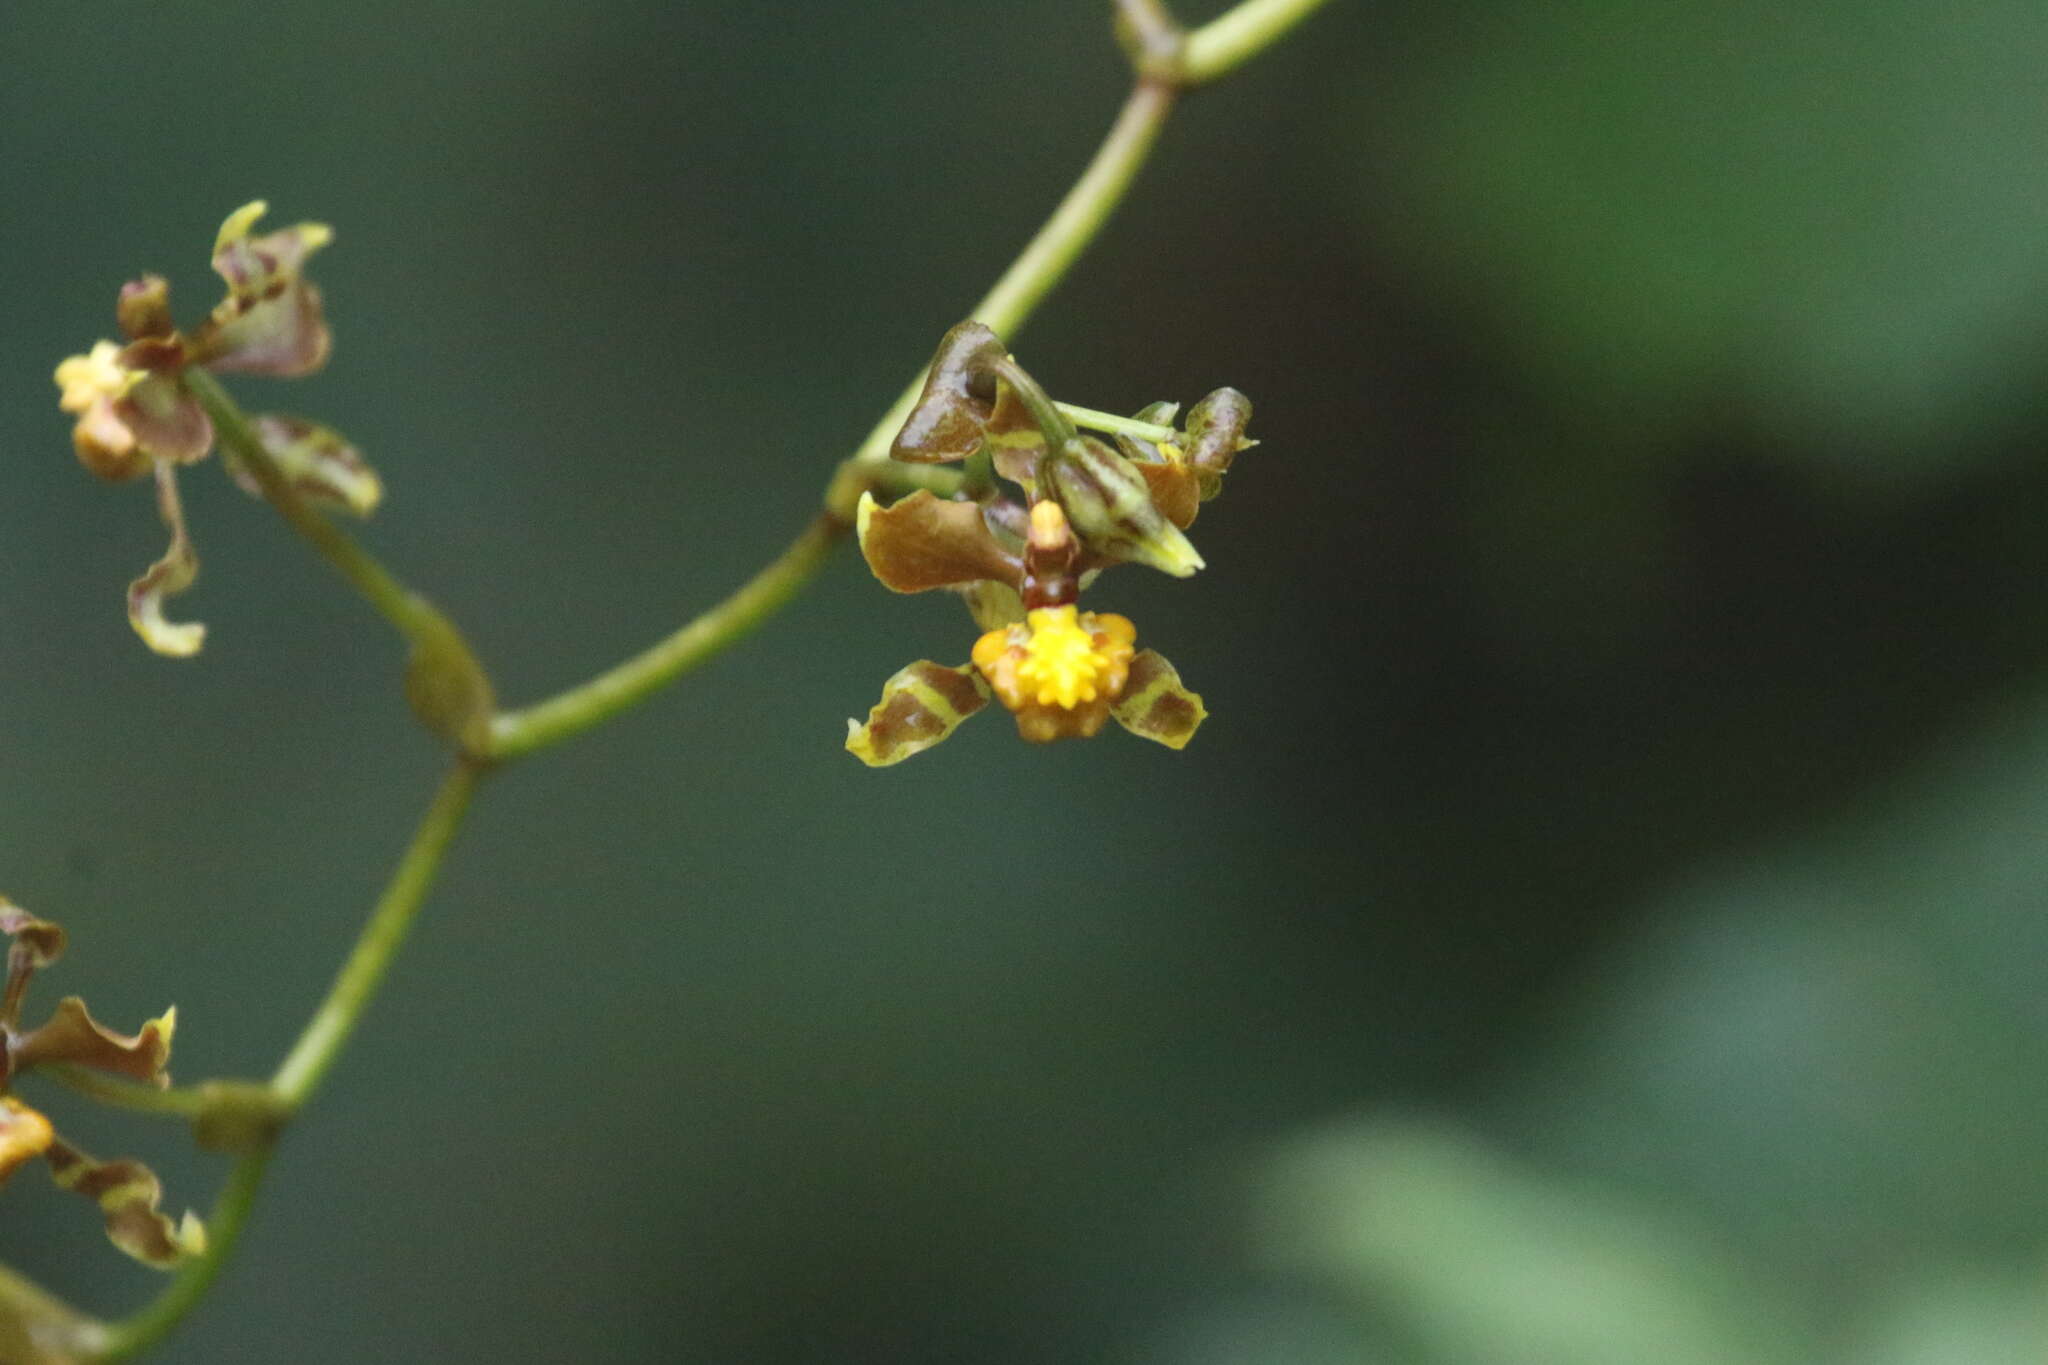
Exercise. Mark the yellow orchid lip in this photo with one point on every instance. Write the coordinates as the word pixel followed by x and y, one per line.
pixel 1059 670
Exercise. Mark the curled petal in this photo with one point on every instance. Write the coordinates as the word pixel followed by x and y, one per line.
pixel 271 321
pixel 920 706
pixel 24 1134
pixel 1176 489
pixel 170 575
pixel 1155 705
pixel 1016 441
pixel 73 1036
pixel 36 944
pixel 318 461
pixel 1215 434
pixel 948 420
pixel 128 1193
pixel 923 542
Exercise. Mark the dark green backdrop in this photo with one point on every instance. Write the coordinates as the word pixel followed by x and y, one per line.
pixel 1629 742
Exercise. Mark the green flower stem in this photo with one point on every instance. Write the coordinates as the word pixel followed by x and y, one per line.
pixel 1064 236
pixel 514 733
pixel 1208 52
pixel 1234 37
pixel 118 1341
pixel 329 1028
pixel 416 619
pixel 174 1101
pixel 319 1044
pixel 1109 421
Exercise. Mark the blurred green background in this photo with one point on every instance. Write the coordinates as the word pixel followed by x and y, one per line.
pixel 1602 921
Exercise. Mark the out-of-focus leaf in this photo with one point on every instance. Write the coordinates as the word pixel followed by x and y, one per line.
pixel 1824 217
pixel 1959 1319
pixel 1486 1263
pixel 36 1329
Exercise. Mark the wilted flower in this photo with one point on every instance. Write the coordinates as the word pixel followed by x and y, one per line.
pixel 1044 510
pixel 135 414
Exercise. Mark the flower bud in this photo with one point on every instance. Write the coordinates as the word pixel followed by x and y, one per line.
pixel 1110 506
pixel 1215 435
pixel 144 308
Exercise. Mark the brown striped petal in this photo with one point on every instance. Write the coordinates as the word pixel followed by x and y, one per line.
pixel 921 705
pixel 1155 705
pixel 128 1193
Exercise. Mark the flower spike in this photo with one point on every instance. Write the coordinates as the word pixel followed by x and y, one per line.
pixel 136 414
pixel 1043 509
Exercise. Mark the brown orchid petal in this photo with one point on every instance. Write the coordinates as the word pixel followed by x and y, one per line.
pixel 1155 705
pixel 946 423
pixel 1215 434
pixel 39 941
pixel 318 461
pixel 271 321
pixel 73 1036
pixel 1176 491
pixel 24 1135
pixel 920 706
pixel 170 575
pixel 1016 442
pixel 36 1328
pixel 923 542
pixel 36 944
pixel 167 421
pixel 128 1193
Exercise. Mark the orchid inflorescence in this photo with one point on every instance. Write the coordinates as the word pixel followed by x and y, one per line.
pixel 136 416
pixel 1043 508
pixel 127 1192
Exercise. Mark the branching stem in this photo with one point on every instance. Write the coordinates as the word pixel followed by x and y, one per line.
pixel 1168 62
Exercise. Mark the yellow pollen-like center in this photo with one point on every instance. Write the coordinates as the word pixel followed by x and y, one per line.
pixel 85 379
pixel 1058 658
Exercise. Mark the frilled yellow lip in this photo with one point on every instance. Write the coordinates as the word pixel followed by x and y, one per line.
pixel 1058 657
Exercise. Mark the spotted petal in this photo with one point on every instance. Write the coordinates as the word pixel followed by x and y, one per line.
pixel 271 321
pixel 318 461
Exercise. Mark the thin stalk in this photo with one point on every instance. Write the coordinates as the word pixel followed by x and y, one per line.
pixel 393 600
pixel 329 1028
pixel 172 1101
pixel 515 733
pixel 1234 37
pixel 1109 421
pixel 1046 259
